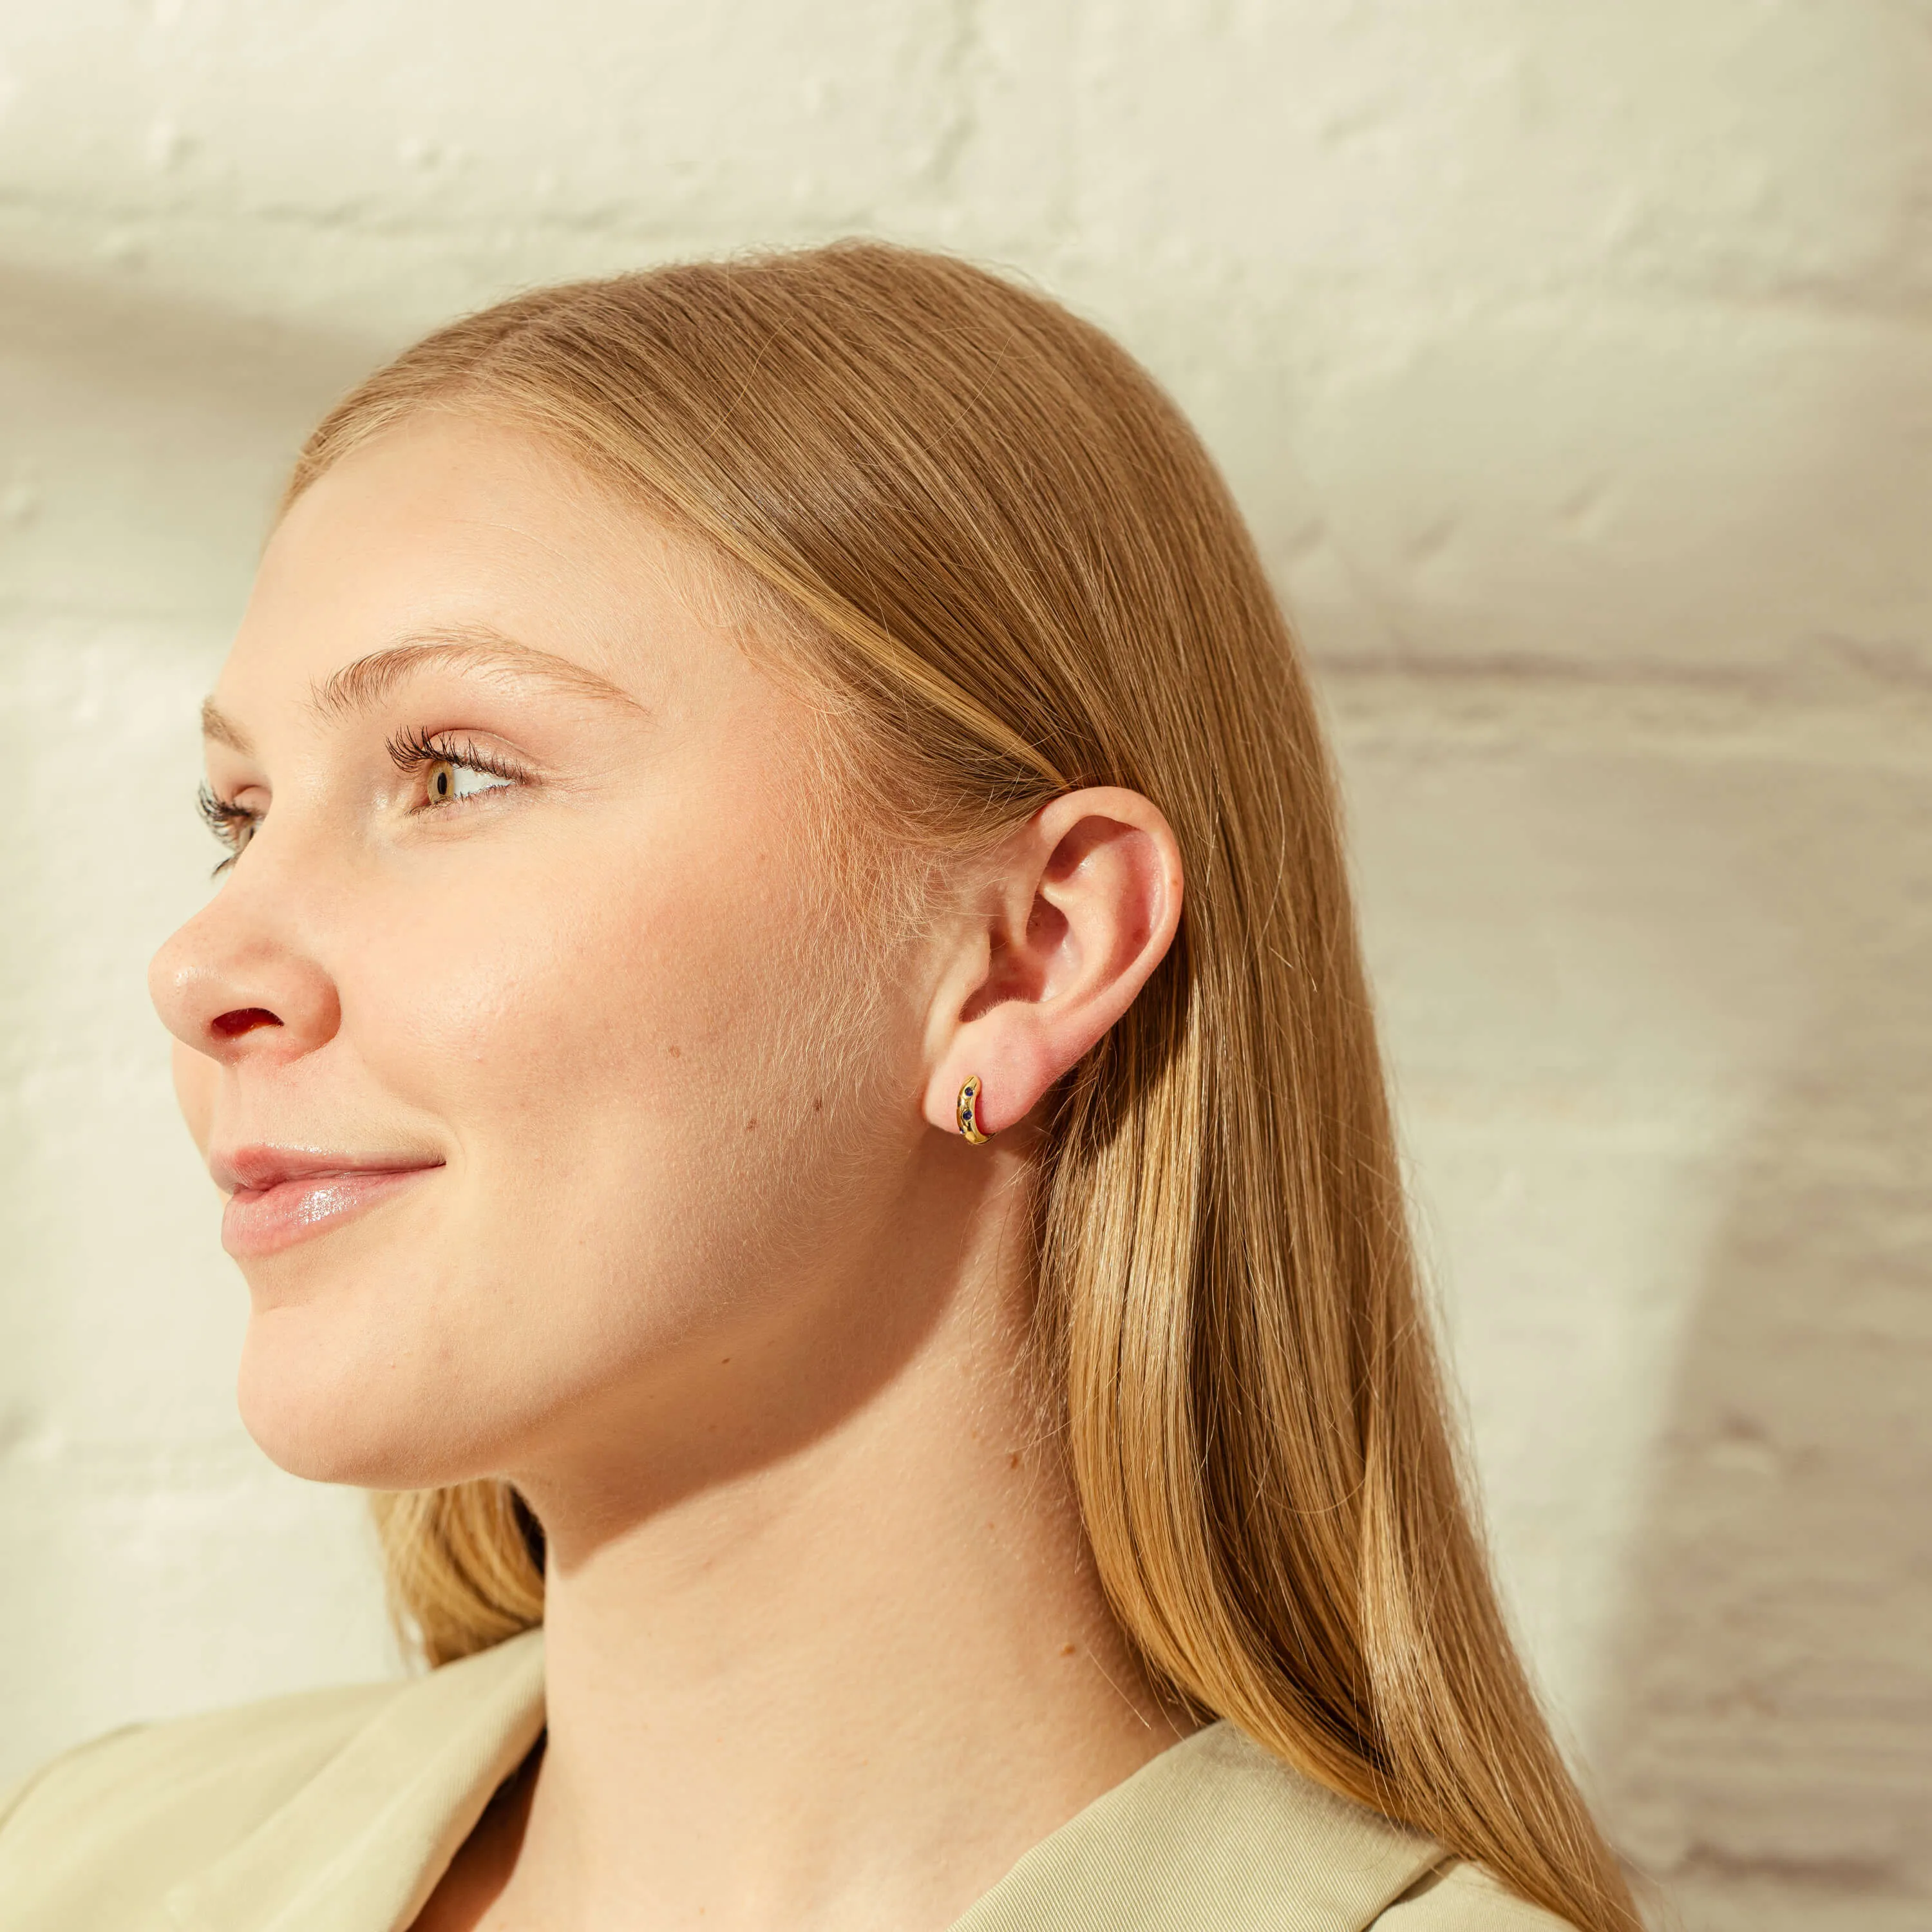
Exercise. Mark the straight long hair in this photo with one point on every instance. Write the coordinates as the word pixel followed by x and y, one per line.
pixel 1003 552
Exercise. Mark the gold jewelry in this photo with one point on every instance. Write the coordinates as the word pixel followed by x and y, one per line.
pixel 969 1113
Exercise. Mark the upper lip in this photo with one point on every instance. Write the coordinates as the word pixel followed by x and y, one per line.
pixel 260 1168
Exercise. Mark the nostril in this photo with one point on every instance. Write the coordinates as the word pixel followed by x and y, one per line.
pixel 244 1019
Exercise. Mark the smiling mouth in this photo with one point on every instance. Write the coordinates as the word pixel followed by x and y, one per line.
pixel 277 1197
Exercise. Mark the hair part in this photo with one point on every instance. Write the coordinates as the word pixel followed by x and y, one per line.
pixel 1001 556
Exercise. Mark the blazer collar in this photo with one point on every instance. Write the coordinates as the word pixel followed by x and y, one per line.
pixel 1214 1831
pixel 364 1841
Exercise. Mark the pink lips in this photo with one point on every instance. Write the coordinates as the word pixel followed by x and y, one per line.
pixel 277 1196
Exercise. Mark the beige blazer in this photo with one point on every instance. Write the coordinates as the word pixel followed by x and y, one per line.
pixel 338 1811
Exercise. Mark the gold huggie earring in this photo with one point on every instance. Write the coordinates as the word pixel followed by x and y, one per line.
pixel 969 1113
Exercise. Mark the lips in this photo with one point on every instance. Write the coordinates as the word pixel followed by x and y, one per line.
pixel 277 1196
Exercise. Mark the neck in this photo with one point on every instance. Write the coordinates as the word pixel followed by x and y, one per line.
pixel 849 1686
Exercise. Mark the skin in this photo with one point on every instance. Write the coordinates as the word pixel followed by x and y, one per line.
pixel 689 1247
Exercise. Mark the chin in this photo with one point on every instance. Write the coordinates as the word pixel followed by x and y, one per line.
pixel 324 1410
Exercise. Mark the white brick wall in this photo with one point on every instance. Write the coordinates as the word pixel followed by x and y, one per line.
pixel 1574 363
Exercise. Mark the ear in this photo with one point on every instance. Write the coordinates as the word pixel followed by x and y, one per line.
pixel 1080 907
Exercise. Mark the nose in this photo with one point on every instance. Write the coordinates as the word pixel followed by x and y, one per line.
pixel 233 983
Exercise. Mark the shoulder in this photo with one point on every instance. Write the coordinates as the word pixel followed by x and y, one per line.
pixel 1456 1896
pixel 137 1809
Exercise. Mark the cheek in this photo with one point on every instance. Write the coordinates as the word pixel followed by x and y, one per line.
pixel 598 980
pixel 650 1064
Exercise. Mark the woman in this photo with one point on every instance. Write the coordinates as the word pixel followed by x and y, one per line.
pixel 784 1036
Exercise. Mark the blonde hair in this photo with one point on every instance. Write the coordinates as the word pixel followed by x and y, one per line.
pixel 1020 572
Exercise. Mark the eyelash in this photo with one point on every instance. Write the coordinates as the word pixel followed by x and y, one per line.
pixel 230 822
pixel 409 750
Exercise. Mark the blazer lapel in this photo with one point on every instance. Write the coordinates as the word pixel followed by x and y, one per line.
pixel 1215 1833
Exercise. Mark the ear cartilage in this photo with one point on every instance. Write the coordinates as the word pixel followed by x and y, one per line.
pixel 969 1113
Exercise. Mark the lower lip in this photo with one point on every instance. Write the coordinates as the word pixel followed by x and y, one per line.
pixel 264 1220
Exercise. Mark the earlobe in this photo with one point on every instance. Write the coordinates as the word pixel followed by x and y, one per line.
pixel 1083 905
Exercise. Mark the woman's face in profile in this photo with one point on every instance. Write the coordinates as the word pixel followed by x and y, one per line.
pixel 512 1026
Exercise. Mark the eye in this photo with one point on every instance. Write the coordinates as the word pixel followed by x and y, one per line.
pixel 447 779
pixel 234 825
pixel 450 768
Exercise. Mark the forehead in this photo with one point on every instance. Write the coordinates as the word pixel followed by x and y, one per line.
pixel 445 523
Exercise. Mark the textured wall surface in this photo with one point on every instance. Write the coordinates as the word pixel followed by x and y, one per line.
pixel 1574 363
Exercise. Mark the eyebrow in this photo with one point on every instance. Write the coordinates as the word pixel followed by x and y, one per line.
pixel 361 685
